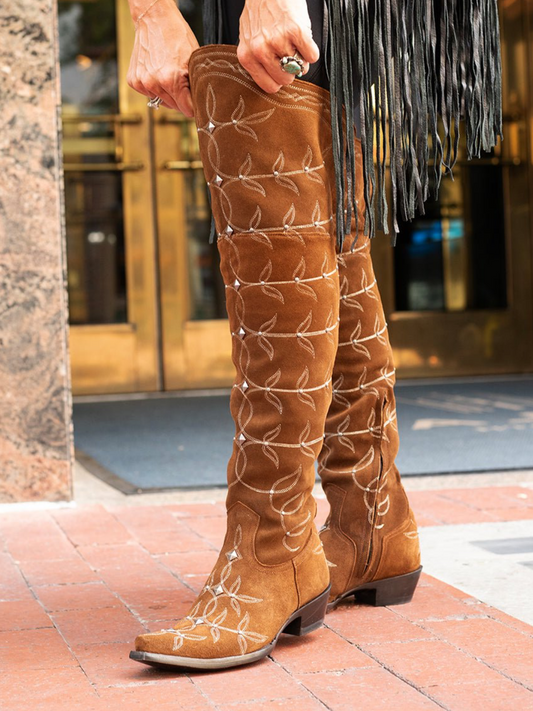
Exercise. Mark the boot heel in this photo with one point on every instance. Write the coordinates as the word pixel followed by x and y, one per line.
pixel 390 591
pixel 309 617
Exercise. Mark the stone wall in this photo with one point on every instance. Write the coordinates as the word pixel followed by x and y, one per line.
pixel 36 450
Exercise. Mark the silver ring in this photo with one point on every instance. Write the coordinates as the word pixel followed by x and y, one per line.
pixel 155 103
pixel 292 64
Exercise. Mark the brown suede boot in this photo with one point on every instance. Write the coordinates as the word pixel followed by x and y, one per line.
pixel 370 538
pixel 272 203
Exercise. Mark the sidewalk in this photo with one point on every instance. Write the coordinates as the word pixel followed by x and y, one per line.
pixel 77 585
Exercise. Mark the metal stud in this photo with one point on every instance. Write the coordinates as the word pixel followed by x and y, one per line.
pixel 210 127
pixel 232 555
pixel 229 230
pixel 218 589
pixel 244 386
pixel 236 284
pixel 217 180
pixel 199 621
pixel 241 332
pixel 242 438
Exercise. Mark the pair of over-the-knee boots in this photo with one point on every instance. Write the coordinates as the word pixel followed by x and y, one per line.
pixel 314 380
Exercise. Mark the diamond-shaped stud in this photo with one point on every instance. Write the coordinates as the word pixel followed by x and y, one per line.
pixel 199 621
pixel 232 555
pixel 229 230
pixel 241 438
pixel 218 589
pixel 241 332
pixel 244 386
pixel 236 284
pixel 217 180
pixel 210 127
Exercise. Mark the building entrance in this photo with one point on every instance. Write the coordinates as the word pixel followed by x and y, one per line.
pixel 145 297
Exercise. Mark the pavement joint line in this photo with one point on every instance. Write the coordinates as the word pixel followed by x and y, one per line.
pixel 470 655
pixel 300 682
pixel 372 644
pixel 405 680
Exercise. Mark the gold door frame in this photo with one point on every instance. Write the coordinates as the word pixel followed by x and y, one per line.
pixel 124 357
pixel 196 354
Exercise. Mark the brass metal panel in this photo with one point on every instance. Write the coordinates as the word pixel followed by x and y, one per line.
pixel 172 241
pixel 104 359
pixel 139 217
pixel 208 354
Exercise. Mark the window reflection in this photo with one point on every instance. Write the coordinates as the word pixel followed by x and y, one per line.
pixel 453 257
pixel 93 196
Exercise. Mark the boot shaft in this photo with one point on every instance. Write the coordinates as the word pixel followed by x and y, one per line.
pixel 268 163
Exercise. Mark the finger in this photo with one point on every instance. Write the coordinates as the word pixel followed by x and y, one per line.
pixel 260 75
pixel 277 73
pixel 305 44
pixel 153 88
pixel 181 94
pixel 168 99
pixel 149 92
pixel 185 102
pixel 265 56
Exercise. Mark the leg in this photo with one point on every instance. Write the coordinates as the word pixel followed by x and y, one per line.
pixel 271 200
pixel 371 533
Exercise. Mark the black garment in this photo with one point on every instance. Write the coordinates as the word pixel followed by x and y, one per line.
pixel 436 67
pixel 317 74
pixel 232 10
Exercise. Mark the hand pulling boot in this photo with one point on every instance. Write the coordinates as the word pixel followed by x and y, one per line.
pixel 267 160
pixel 370 538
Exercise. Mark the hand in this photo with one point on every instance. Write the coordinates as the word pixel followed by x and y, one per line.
pixel 269 30
pixel 159 62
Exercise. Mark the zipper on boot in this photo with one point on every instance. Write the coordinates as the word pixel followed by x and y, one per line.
pixel 378 483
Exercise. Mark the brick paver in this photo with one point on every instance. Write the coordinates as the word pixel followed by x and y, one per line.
pixel 76 586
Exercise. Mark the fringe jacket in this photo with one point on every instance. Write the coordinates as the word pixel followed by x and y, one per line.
pixel 422 67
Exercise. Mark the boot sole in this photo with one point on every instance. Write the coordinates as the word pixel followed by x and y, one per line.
pixel 306 619
pixel 380 593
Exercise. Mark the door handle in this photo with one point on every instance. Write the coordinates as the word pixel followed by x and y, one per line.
pixel 183 165
pixel 102 118
pixel 96 167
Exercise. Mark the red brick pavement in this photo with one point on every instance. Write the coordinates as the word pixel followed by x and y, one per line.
pixel 76 586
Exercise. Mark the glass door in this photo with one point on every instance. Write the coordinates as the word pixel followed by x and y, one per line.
pixel 110 213
pixel 146 298
pixel 458 286
pixel 146 302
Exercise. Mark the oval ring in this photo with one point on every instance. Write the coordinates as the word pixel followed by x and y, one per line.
pixel 292 64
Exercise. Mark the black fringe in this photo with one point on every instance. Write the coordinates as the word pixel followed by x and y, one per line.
pixel 213 28
pixel 421 66
pixel 432 63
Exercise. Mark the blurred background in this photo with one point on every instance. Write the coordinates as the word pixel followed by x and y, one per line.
pixel 150 349
pixel 143 280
